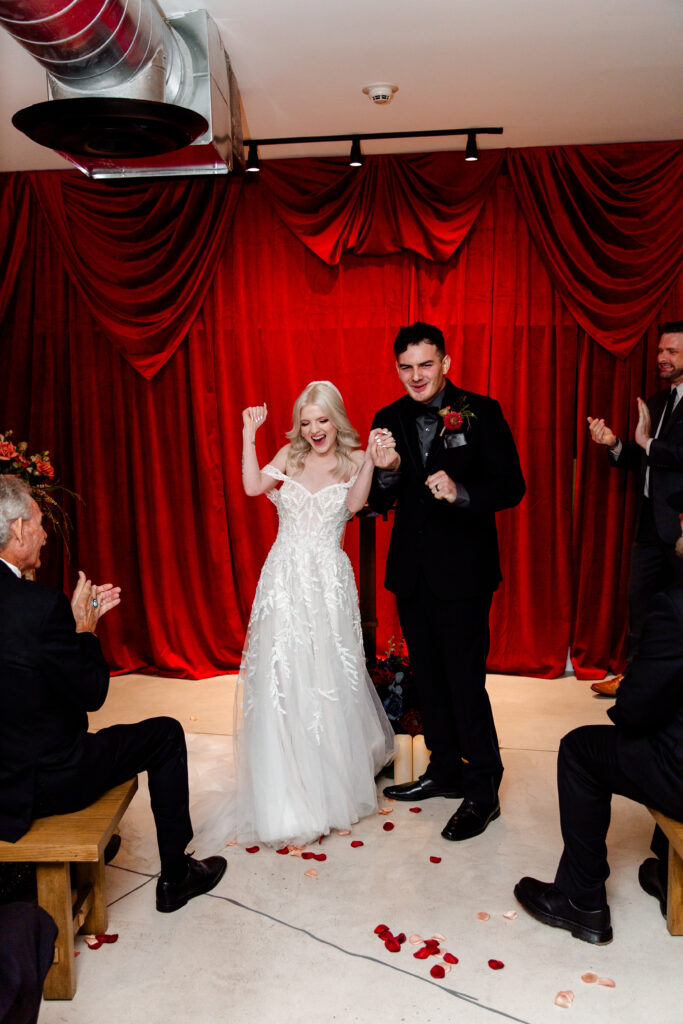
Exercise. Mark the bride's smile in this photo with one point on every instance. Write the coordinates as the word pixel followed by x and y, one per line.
pixel 318 429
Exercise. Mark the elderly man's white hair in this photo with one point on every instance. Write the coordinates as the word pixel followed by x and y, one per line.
pixel 15 503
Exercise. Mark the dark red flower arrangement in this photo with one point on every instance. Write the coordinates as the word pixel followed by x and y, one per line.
pixel 453 419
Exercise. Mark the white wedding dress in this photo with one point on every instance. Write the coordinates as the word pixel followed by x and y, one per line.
pixel 311 732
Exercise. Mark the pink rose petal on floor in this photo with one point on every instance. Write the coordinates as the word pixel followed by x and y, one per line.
pixel 607 982
pixel 450 958
pixel 285 849
pixel 77 952
pixel 295 852
pixel 344 832
pixel 483 916
pixel 496 965
pixel 253 849
pixel 393 945
pixel 510 915
pixel 311 873
pixel 193 718
pixel 387 826
pixel 421 954
pixel 415 939
pixel 355 843
pixel 233 842
pixel 415 810
pixel 385 810
pixel 435 860
pixel 437 971
pixel 437 938
pixel 564 999
pixel 589 978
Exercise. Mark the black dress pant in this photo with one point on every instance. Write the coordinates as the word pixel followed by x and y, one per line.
pixel 27 941
pixel 448 643
pixel 654 567
pixel 112 755
pixel 588 773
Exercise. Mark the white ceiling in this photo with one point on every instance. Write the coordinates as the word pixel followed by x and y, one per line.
pixel 551 72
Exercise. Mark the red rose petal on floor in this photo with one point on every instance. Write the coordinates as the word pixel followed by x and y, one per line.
pixel 435 860
pixel 450 958
pixel 401 937
pixel 496 965
pixel 107 938
pixel 393 945
pixel 431 943
pixel 415 810
pixel 308 855
pixel 77 952
pixel 421 954
pixel 387 826
pixel 381 928
pixel 91 942
pixel 320 856
pixel 355 843
pixel 285 849
pixel 253 849
pixel 437 971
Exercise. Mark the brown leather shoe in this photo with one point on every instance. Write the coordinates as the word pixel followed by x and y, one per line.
pixel 608 687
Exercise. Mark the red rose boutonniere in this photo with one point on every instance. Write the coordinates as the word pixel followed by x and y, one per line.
pixel 453 419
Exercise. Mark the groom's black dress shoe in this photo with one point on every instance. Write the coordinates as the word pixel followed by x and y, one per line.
pixel 546 903
pixel 420 789
pixel 202 876
pixel 650 880
pixel 471 819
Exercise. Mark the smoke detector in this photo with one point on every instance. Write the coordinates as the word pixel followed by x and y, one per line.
pixel 380 92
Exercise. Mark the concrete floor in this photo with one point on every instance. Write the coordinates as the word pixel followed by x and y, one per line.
pixel 273 946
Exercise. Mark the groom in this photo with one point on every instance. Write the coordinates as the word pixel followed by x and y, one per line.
pixel 454 466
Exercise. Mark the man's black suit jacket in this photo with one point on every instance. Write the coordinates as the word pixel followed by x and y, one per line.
pixel 665 460
pixel 50 676
pixel 455 547
pixel 648 711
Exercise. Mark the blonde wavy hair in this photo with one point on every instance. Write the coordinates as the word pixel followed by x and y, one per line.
pixel 325 395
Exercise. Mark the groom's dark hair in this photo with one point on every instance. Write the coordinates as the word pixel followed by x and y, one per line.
pixel 416 333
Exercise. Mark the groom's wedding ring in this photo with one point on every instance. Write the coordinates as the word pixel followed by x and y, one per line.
pixel 95 602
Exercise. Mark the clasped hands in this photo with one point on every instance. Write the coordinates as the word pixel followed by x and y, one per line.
pixel 602 434
pixel 90 602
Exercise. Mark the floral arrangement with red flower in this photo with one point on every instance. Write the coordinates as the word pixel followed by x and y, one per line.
pixel 396 688
pixel 453 419
pixel 39 473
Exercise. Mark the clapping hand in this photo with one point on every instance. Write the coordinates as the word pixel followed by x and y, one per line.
pixel 644 425
pixel 253 418
pixel 382 449
pixel 601 433
pixel 90 602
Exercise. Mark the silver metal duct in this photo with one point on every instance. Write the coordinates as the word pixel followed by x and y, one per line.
pixel 128 88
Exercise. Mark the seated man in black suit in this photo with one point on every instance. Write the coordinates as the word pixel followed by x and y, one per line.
pixel 640 756
pixel 52 673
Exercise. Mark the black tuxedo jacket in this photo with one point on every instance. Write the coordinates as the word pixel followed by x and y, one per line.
pixel 455 547
pixel 50 676
pixel 666 466
pixel 649 708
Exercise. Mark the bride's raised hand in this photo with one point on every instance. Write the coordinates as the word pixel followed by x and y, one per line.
pixel 253 418
pixel 382 449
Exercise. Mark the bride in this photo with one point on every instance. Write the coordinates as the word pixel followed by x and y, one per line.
pixel 310 732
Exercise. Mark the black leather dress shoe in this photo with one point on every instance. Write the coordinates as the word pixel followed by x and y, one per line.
pixel 202 876
pixel 420 789
pixel 471 819
pixel 546 903
pixel 651 881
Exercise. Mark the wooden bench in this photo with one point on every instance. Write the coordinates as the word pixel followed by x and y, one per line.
pixel 673 830
pixel 53 844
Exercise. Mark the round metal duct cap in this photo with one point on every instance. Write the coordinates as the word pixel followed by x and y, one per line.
pixel 110 128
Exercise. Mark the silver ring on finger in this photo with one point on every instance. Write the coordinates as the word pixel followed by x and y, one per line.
pixel 95 603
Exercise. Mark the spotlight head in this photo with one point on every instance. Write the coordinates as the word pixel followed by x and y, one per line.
pixel 471 152
pixel 355 157
pixel 252 163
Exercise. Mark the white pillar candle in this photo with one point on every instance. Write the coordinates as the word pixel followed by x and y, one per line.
pixel 420 756
pixel 403 759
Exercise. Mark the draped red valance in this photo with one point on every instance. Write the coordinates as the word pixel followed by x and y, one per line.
pixel 608 224
pixel 142 256
pixel 425 203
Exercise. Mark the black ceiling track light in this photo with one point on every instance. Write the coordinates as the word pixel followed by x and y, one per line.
pixel 356 156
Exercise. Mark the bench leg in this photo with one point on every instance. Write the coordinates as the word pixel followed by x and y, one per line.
pixel 91 875
pixel 674 901
pixel 54 895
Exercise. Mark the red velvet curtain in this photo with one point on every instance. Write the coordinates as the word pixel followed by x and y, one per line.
pixel 608 223
pixel 157 460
